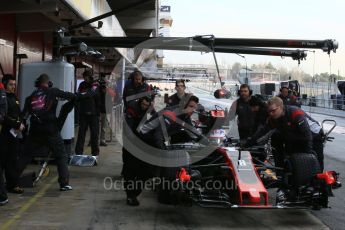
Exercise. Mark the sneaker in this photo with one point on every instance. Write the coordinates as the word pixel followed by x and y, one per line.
pixel 96 159
pixel 65 188
pixel 132 201
pixel 281 197
pixel 102 143
pixel 3 201
pixel 16 190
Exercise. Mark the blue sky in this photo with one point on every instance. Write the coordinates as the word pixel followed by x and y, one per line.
pixel 303 19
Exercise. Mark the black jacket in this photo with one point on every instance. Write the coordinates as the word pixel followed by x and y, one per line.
pixel 43 120
pixel 13 117
pixel 245 118
pixel 290 100
pixel 3 103
pixel 174 131
pixel 174 100
pixel 89 98
pixel 292 129
pixel 130 90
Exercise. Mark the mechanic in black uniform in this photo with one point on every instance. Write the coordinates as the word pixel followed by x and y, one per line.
pixel 259 108
pixel 44 127
pixel 10 136
pixel 245 115
pixel 287 97
pixel 89 112
pixel 180 95
pixel 175 131
pixel 135 170
pixel 296 132
pixel 3 109
pixel 135 87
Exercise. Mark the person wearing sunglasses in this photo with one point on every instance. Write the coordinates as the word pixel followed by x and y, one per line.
pixel 296 132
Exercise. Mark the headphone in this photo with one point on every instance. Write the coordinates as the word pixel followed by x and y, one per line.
pixel 244 86
pixel 38 82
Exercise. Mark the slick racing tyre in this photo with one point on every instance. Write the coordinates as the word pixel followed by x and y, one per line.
pixel 304 167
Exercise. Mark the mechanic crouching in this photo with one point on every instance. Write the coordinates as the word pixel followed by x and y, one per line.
pixel 293 133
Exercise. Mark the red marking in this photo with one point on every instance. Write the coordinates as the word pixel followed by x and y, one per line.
pixel 183 175
pixel 131 112
pixel 217 113
pixel 297 113
pixel 327 176
pixel 111 92
pixel 170 114
pixel 1 86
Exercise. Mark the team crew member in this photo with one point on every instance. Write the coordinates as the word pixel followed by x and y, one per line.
pixel 259 108
pixel 180 95
pixel 246 117
pixel 294 135
pixel 174 130
pixel 10 134
pixel 287 97
pixel 135 87
pixel 44 127
pixel 134 170
pixel 89 112
pixel 3 109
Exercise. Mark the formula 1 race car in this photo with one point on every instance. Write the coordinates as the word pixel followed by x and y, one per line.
pixel 232 176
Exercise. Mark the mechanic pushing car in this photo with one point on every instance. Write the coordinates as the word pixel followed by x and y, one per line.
pixel 293 132
pixel 135 170
pixel 175 131
pixel 135 87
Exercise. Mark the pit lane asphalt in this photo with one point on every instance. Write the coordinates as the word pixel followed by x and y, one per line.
pixel 92 206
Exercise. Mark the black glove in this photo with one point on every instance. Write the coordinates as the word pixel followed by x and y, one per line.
pixel 249 142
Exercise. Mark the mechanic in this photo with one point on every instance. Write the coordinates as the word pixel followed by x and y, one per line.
pixel 293 132
pixel 175 132
pixel 180 96
pixel 287 97
pixel 246 117
pixel 259 108
pixel 135 87
pixel 89 112
pixel 10 136
pixel 44 127
pixel 175 128
pixel 135 170
pixel 3 109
